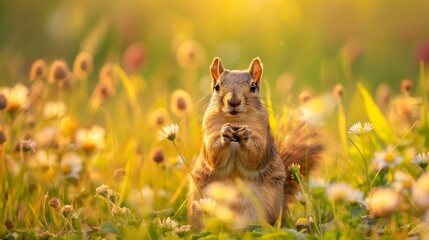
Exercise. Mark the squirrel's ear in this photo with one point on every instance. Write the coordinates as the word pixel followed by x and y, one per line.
pixel 216 69
pixel 255 70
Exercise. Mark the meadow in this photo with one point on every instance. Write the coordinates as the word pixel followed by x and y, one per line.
pixel 101 106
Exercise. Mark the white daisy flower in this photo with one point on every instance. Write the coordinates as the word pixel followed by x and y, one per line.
pixel 387 158
pixel 167 223
pixel 357 128
pixel 382 201
pixel 342 192
pixel 71 165
pixel 169 132
pixel 421 159
pixel 206 205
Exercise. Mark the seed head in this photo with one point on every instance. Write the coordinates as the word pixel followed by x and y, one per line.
pixel 54 202
pixel 406 86
pixel 134 57
pixel 181 103
pixel 3 101
pixel 2 137
pixel 83 65
pixel 38 70
pixel 119 175
pixel 305 96
pixel 9 224
pixel 190 55
pixel 59 72
pixel 338 90
pixel 159 118
pixel 27 145
pixel 157 154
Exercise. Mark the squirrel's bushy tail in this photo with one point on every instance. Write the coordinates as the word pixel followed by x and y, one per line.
pixel 299 143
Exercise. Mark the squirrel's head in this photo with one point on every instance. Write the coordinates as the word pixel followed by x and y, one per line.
pixel 236 91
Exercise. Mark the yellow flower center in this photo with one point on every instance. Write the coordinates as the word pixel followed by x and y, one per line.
pixel 389 157
pixel 66 168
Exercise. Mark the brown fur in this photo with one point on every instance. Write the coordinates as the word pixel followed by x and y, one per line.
pixel 238 144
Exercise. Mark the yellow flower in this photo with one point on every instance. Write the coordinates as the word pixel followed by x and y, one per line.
pixel 382 201
pixel 54 110
pixel 90 139
pixel 17 97
pixel 181 103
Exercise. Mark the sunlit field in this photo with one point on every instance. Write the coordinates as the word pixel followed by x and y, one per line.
pixel 101 104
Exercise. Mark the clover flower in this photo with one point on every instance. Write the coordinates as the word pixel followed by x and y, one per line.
pixel 169 132
pixel 357 128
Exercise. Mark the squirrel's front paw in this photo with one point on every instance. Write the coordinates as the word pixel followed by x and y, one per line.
pixel 227 132
pixel 243 134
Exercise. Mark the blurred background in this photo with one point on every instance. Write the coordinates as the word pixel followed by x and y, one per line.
pixel 314 44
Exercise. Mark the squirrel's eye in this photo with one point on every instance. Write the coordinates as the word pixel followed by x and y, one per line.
pixel 253 87
pixel 217 87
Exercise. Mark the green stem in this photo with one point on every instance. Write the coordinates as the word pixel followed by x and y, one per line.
pixel 312 212
pixel 365 165
pixel 188 168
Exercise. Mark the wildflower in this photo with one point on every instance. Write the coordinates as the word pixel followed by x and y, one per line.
pixel 90 139
pixel 54 110
pixel 382 201
pixel 421 159
pixel 182 229
pixel 16 97
pixel 38 70
pixel 102 190
pixel 403 112
pixel 107 72
pixel 83 65
pixel 157 154
pixel 167 224
pixel 119 175
pixel 134 57
pixel 206 205
pixel 47 136
pixel 9 224
pixel 338 90
pixel 159 118
pixel 302 224
pixel 59 72
pixel 2 137
pixel 68 125
pixel 341 192
pixel 3 101
pixel 54 202
pixel 181 103
pixel 357 128
pixel 71 165
pixel 402 181
pixel 27 145
pixel 169 132
pixel 67 210
pixel 225 214
pixel 43 160
pixel 387 158
pixel 294 169
pixel 190 55
pixel 406 86
pixel 382 95
pixel 221 192
pixel 112 196
pixel 305 96
pixel 420 191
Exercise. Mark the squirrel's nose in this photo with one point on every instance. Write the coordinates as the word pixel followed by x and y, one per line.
pixel 234 102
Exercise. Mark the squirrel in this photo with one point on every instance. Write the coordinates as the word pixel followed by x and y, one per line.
pixel 238 149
